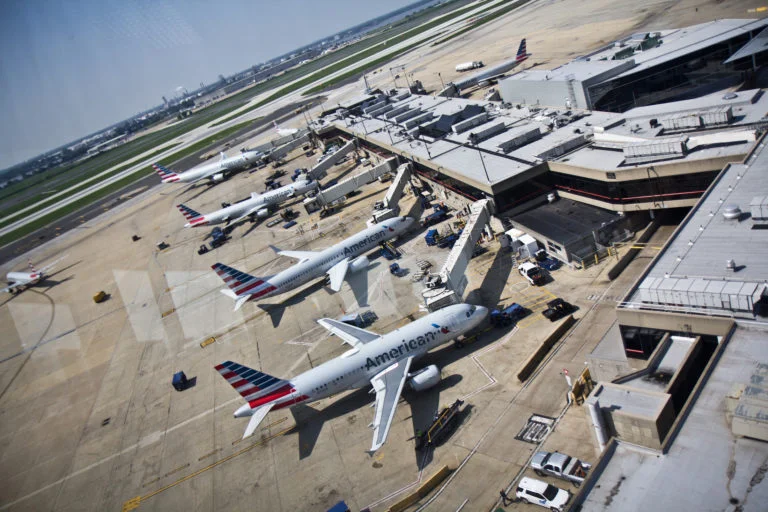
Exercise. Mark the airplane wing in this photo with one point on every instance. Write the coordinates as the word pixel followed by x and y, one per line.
pixel 299 255
pixel 388 385
pixel 349 333
pixel 246 214
pixel 337 273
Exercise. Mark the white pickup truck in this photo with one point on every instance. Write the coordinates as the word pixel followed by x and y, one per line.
pixel 561 466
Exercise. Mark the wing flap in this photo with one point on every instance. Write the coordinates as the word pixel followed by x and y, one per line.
pixel 388 385
pixel 337 273
pixel 355 336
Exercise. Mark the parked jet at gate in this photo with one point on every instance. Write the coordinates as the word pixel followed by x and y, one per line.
pixel 380 360
pixel 336 261
pixel 257 206
pixel 215 171
pixel 17 281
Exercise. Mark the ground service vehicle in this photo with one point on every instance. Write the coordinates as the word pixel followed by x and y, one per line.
pixel 532 273
pixel 439 215
pixel 540 493
pixel 557 309
pixel 560 466
pixel 508 315
pixel 467 66
pixel 443 424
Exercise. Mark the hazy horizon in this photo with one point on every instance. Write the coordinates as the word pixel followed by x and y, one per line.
pixel 72 69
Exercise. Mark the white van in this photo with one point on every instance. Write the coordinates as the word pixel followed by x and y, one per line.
pixel 540 493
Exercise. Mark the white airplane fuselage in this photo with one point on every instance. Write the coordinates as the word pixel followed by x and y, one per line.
pixel 356 367
pixel 319 263
pixel 264 200
pixel 212 169
pixel 24 278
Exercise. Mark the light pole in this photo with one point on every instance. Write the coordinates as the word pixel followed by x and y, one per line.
pixel 441 80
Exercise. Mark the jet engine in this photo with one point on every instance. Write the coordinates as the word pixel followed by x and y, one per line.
pixel 358 264
pixel 263 213
pixel 218 177
pixel 424 379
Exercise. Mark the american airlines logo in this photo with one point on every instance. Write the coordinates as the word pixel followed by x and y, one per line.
pixel 362 244
pixel 404 348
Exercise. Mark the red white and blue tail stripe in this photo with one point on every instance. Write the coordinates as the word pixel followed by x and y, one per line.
pixel 194 218
pixel 255 387
pixel 239 282
pixel 166 175
pixel 521 52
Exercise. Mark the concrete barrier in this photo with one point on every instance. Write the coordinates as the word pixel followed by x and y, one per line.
pixel 424 489
pixel 625 260
pixel 538 356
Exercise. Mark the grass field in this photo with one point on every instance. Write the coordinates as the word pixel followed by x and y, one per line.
pixel 482 21
pixel 43 203
pixel 117 185
pixel 372 49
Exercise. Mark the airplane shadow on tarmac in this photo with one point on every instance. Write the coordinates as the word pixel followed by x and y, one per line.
pixel 358 282
pixel 309 420
pixel 424 404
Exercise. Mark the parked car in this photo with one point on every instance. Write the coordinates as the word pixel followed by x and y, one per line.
pixel 560 466
pixel 540 493
pixel 532 273
pixel 557 309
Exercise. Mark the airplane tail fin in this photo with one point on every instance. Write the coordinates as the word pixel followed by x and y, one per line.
pixel 194 219
pixel 166 175
pixel 255 387
pixel 521 52
pixel 239 282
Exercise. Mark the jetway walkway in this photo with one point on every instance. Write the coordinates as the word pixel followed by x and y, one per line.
pixel 448 285
pixel 341 189
pixel 319 170
pixel 281 151
pixel 389 208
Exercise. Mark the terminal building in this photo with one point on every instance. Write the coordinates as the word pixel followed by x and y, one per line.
pixel 646 68
pixel 681 405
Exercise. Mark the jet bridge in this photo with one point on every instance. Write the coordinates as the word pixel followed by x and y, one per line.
pixel 341 189
pixel 389 208
pixel 448 285
pixel 281 151
pixel 319 170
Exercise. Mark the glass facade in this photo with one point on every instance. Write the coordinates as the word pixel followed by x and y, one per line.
pixel 693 74
pixel 652 189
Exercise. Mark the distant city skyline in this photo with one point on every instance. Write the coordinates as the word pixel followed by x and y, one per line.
pixel 69 69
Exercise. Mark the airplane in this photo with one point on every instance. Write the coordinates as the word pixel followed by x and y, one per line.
pixel 17 281
pixel 215 171
pixel 494 72
pixel 382 361
pixel 258 205
pixel 284 132
pixel 335 261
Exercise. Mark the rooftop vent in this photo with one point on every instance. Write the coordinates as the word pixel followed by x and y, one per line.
pixel 732 212
pixel 730 96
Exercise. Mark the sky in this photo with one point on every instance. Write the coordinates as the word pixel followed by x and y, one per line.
pixel 71 68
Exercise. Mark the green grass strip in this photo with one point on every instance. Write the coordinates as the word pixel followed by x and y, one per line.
pixel 117 185
pixel 350 61
pixel 482 21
